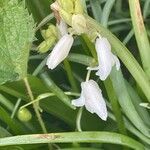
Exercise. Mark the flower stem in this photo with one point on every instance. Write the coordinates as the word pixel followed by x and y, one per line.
pixel 70 75
pixel 78 119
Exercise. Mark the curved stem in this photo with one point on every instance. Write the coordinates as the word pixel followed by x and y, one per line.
pixel 70 75
pixel 47 95
pixel 106 12
pixel 78 119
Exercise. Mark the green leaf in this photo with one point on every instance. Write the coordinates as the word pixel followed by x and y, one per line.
pixel 81 137
pixel 16 35
pixel 3 2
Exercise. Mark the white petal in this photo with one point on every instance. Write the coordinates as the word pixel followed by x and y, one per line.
pixel 116 61
pixel 60 51
pixel 55 6
pixel 94 101
pixel 79 102
pixel 62 26
pixel 103 49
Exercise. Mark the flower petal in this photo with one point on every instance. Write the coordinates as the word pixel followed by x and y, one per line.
pixel 60 51
pixel 116 61
pixel 94 101
pixel 103 49
pixel 79 102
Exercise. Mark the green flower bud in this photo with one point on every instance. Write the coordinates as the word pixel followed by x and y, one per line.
pixel 66 5
pixel 24 115
pixel 79 23
pixel 51 31
pixel 66 16
pixel 78 7
pixel 46 45
pixel 92 34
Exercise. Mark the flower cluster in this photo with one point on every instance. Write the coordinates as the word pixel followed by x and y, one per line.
pixel 71 20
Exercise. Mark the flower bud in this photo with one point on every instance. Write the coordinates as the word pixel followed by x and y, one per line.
pixel 50 32
pixel 60 51
pixel 79 23
pixel 66 5
pixel 46 45
pixel 78 7
pixel 24 115
pixel 67 17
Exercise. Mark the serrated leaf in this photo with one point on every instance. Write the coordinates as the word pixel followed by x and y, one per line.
pixel 16 35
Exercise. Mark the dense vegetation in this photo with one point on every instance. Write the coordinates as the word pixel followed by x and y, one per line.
pixel 36 108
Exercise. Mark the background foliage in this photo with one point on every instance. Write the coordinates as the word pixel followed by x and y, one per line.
pixel 124 90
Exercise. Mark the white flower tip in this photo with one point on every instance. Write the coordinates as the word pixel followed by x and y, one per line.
pixel 102 74
pixel 50 65
pixel 78 102
pixel 103 116
pixel 60 51
pixel 55 6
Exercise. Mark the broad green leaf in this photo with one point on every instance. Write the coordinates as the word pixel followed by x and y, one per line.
pixel 16 35
pixel 3 2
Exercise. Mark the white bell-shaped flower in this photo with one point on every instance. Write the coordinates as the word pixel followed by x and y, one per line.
pixel 106 58
pixel 60 51
pixel 92 98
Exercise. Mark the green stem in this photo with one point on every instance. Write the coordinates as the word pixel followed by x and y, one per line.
pixel 90 45
pixel 35 105
pixel 70 75
pixel 126 57
pixel 115 105
pixel 55 89
pixel 146 9
pixel 118 6
pixel 39 98
pixel 16 108
pixel 140 34
pixel 106 12
pixel 36 108
pixel 78 119
pixel 96 9
pixel 128 37
pixel 81 137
